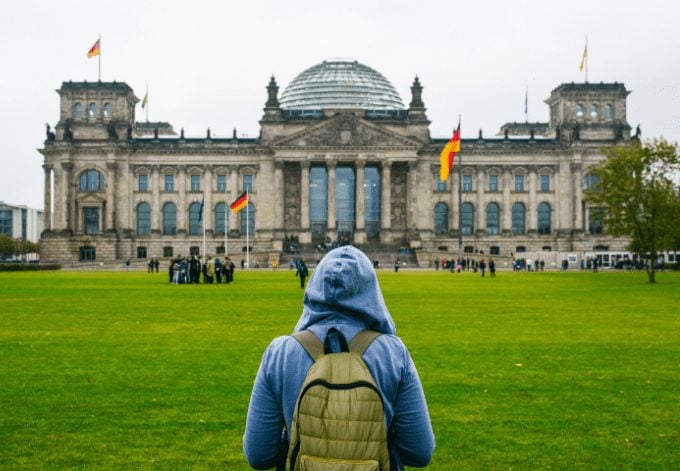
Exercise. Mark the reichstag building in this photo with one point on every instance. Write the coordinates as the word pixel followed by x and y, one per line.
pixel 339 159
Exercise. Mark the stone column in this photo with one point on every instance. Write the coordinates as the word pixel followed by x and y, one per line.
pixel 304 197
pixel 480 207
pixel 386 202
pixel 564 196
pixel 109 220
pixel 331 199
pixel 182 225
pixel 532 213
pixel 69 217
pixel 278 195
pixel 234 191
pixel 47 216
pixel 412 197
pixel 578 196
pixel 506 207
pixel 157 210
pixel 360 203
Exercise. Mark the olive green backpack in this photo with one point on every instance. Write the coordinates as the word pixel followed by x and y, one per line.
pixel 339 418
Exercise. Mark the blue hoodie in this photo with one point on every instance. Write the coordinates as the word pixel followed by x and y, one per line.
pixel 343 292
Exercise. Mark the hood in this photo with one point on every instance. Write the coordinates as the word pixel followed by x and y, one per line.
pixel 344 284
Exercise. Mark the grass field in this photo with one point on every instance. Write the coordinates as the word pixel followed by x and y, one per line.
pixel 111 370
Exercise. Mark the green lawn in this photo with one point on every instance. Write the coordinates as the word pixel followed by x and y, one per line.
pixel 526 371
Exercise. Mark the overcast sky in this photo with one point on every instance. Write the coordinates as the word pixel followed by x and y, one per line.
pixel 207 63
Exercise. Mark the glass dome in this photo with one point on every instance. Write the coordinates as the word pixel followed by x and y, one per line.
pixel 340 83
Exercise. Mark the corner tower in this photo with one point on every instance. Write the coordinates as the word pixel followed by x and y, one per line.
pixel 95 110
pixel 589 111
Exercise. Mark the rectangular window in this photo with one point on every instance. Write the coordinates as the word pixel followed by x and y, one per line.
pixel 441 185
pixel 195 183
pixel 467 182
pixel 195 250
pixel 88 254
pixel 167 251
pixel 519 182
pixel 545 183
pixel 141 252
pixel 248 183
pixel 6 222
pixel 143 181
pixel 493 182
pixel 169 183
pixel 222 183
pixel 91 221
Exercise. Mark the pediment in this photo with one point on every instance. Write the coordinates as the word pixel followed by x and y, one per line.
pixel 346 130
pixel 91 198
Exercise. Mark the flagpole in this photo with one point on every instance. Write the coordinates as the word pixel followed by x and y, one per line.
pixel 203 224
pixel 526 104
pixel 586 58
pixel 460 197
pixel 146 103
pixel 247 230
pixel 100 57
pixel 226 228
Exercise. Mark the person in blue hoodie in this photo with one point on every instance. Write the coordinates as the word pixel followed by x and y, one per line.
pixel 343 293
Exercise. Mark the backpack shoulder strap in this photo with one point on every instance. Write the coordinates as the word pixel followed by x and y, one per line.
pixel 362 340
pixel 310 342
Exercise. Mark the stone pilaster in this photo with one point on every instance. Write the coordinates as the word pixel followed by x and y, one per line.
pixel 157 210
pixel 532 211
pixel 234 192
pixel 69 217
pixel 304 196
pixel 480 207
pixel 109 219
pixel 506 207
pixel 182 208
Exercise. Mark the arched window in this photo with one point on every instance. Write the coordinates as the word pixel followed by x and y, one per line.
pixel 169 219
pixel 143 219
pixel 108 110
pixel 608 111
pixel 195 219
pixel 78 110
pixel 441 219
pixel 92 110
pixel 248 219
pixel 492 219
pixel 467 218
pixel 91 180
pixel 579 110
pixel 220 218
pixel 544 213
pixel 518 218
pixel 593 111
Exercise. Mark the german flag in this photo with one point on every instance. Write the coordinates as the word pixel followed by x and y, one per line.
pixel 95 50
pixel 448 154
pixel 240 203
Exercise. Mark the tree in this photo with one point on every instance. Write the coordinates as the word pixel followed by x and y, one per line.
pixel 6 246
pixel 637 196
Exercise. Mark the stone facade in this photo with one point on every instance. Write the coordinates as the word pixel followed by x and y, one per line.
pixel 120 193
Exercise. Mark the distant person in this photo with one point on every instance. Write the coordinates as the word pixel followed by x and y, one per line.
pixel 482 267
pixel 342 299
pixel 302 272
pixel 492 268
pixel 397 263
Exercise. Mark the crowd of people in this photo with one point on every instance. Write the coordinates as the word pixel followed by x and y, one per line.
pixel 189 270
